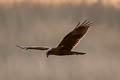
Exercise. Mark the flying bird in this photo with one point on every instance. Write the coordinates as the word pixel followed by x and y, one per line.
pixel 68 43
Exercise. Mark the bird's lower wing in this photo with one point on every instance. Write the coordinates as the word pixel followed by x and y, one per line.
pixel 33 47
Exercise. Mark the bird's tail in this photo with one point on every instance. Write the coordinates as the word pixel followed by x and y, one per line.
pixel 77 53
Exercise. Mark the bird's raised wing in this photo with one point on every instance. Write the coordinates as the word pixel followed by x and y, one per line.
pixel 33 47
pixel 71 39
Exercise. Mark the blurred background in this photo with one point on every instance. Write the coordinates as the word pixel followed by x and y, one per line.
pixel 45 23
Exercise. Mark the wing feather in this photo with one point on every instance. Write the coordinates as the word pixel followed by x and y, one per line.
pixel 71 39
pixel 33 47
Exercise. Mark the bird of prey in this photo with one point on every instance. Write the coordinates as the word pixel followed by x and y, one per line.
pixel 68 42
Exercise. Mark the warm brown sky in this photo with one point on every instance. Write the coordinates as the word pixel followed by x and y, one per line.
pixel 114 3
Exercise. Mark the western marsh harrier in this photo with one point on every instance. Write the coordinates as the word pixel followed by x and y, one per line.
pixel 68 42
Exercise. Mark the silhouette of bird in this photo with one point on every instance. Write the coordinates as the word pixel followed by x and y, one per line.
pixel 68 42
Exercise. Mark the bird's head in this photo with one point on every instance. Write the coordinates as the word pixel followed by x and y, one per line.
pixel 50 52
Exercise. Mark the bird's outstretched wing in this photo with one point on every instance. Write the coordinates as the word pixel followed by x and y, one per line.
pixel 71 39
pixel 33 47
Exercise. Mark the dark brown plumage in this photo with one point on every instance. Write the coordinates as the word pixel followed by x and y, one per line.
pixel 68 42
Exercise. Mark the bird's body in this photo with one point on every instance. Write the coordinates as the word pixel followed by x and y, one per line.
pixel 69 41
pixel 62 52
